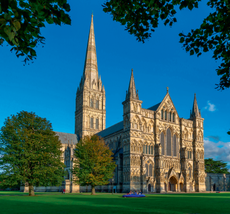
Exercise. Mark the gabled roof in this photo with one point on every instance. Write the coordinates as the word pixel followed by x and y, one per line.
pixel 112 129
pixel 155 107
pixel 163 102
pixel 67 138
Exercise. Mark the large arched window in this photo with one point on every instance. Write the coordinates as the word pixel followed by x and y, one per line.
pixel 162 143
pixel 168 142
pixel 174 145
pixel 67 157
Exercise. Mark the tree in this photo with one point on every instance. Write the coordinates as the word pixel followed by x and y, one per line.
pixel 94 163
pixel 30 152
pixel 21 22
pixel 212 166
pixel 141 17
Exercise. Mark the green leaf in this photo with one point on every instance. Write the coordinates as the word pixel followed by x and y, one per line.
pixel 181 39
pixel 2 21
pixel 33 52
pixel 192 52
pixel 17 25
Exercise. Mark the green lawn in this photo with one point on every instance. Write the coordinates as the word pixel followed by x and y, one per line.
pixel 15 202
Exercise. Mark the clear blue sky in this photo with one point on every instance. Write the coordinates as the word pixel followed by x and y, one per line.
pixel 48 87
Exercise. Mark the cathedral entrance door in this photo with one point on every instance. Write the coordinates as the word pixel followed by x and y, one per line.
pixel 169 187
pixel 172 184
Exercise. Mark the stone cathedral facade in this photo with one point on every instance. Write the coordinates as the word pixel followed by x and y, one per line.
pixel 155 150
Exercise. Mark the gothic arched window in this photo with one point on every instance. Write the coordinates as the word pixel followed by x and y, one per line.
pixel 190 172
pixel 151 150
pixel 173 117
pixel 67 157
pixel 91 102
pixel 91 122
pixel 97 123
pixel 170 116
pixel 174 145
pixel 162 114
pixel 146 167
pixel 162 143
pixel 150 169
pixel 165 115
pixel 168 142
pixel 97 104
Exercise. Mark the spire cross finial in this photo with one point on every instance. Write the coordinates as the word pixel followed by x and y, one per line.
pixel 167 89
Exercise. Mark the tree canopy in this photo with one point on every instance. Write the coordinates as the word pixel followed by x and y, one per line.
pixel 142 17
pixel 30 152
pixel 94 163
pixel 21 22
pixel 212 166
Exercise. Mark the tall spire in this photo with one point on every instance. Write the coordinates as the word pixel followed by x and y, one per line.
pixel 90 68
pixel 195 109
pixel 132 93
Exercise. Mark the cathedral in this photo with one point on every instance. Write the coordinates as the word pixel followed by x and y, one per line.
pixel 155 150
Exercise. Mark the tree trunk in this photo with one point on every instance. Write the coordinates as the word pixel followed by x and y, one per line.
pixel 93 191
pixel 31 190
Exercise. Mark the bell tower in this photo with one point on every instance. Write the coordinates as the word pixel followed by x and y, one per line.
pixel 90 98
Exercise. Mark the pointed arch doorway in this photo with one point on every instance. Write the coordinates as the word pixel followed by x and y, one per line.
pixel 172 185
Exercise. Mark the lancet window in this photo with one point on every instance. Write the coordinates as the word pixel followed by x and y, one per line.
pixel 168 142
pixel 174 145
pixel 149 169
pixel 97 123
pixel 190 172
pixel 97 104
pixel 91 102
pixel 91 122
pixel 162 143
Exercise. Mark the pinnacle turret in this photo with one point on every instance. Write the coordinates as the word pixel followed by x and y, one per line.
pixel 132 93
pixel 195 110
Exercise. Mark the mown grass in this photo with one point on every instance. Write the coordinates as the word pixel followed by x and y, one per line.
pixel 49 203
